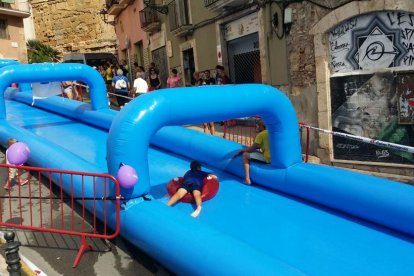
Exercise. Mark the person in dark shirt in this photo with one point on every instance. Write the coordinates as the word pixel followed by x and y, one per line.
pixel 208 80
pixel 221 77
pixel 192 183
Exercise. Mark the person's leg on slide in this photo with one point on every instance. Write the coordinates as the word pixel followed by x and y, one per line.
pixel 246 167
pixel 181 192
pixel 197 197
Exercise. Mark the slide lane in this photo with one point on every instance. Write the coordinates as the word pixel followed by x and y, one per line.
pixel 314 239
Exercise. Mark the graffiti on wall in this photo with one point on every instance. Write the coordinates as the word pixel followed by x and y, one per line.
pixel 368 106
pixel 376 105
pixel 405 91
pixel 373 41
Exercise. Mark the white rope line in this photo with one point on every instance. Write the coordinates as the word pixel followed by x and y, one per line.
pixel 364 139
pixel 79 84
pixel 119 95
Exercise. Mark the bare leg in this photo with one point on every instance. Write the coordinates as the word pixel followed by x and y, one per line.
pixel 211 127
pixel 69 95
pixel 11 174
pixel 197 197
pixel 246 166
pixel 7 185
pixel 205 127
pixel 177 196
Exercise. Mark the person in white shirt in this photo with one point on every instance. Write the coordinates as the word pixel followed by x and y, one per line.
pixel 140 85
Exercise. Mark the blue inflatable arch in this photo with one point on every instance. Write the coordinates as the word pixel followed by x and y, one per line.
pixel 134 126
pixel 46 72
pixel 7 62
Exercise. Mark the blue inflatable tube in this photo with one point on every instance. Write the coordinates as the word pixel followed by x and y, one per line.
pixel 45 72
pixel 7 62
pixel 141 119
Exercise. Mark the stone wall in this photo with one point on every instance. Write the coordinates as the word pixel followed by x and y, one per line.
pixel 302 68
pixel 73 26
pixel 300 45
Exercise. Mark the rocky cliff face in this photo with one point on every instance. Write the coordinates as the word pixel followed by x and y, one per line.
pixel 73 26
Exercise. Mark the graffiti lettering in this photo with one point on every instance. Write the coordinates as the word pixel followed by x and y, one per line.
pixel 376 51
pixel 409 47
pixel 347 146
pixel 399 18
pixel 336 64
pixel 407 33
pixel 337 48
pixel 408 60
pixel 382 153
pixel 343 28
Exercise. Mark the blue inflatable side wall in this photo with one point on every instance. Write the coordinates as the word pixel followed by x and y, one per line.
pixel 357 194
pixel 72 109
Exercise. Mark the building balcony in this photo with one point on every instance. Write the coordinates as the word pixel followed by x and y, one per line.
pixel 115 7
pixel 150 21
pixel 182 30
pixel 10 8
pixel 220 5
pixel 180 24
pixel 13 12
pixel 125 2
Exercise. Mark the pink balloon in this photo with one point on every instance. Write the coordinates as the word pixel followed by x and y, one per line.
pixel 127 176
pixel 18 153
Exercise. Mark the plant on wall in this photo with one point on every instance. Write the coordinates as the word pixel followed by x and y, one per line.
pixel 39 52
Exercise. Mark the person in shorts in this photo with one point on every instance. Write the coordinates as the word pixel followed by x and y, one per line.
pixel 13 173
pixel 121 85
pixel 192 183
pixel 259 151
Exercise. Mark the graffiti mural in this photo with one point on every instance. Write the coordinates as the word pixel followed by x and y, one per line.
pixel 376 105
pixel 405 91
pixel 368 106
pixel 373 41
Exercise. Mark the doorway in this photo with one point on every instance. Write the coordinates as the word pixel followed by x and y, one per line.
pixel 244 59
pixel 159 57
pixel 139 53
pixel 189 65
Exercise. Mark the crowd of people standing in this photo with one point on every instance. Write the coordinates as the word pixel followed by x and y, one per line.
pixel 119 81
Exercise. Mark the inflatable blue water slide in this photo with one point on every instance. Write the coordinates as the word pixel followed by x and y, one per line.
pixel 297 218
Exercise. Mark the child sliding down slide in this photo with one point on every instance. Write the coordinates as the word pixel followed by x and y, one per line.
pixel 193 183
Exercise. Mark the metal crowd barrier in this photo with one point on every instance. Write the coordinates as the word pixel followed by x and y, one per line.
pixel 39 200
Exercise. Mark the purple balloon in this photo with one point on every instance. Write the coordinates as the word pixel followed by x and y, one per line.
pixel 18 153
pixel 127 176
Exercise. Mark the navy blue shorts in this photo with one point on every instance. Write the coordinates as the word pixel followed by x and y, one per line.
pixel 190 187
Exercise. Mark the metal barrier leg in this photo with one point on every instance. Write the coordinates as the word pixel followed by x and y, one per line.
pixel 84 246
